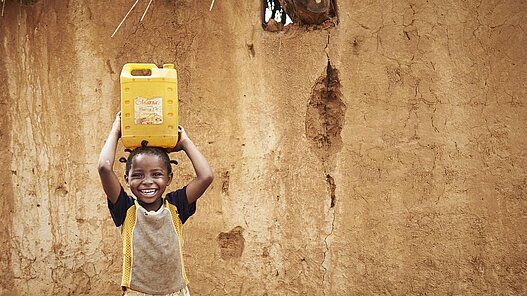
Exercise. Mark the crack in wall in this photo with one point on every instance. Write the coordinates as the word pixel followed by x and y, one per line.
pixel 327 255
pixel 331 212
pixel 331 187
pixel 326 48
pixel 324 121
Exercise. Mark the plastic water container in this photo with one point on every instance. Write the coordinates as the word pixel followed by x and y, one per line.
pixel 149 105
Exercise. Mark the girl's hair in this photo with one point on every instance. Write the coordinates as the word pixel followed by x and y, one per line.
pixel 160 152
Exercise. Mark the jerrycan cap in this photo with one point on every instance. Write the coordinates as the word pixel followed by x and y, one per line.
pixel 168 66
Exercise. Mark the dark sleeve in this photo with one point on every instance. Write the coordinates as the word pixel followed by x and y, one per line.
pixel 118 210
pixel 179 199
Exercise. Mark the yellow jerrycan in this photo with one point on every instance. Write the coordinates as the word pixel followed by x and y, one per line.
pixel 149 105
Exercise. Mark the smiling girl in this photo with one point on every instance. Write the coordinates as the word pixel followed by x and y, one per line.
pixel 150 224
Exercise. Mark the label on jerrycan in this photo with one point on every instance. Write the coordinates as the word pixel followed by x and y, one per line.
pixel 148 111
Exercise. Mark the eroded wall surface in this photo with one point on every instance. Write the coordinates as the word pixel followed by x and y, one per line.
pixel 400 170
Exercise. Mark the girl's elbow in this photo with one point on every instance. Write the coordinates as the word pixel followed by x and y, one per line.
pixel 205 177
pixel 209 178
pixel 104 166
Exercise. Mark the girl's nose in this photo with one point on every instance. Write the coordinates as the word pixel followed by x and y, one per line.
pixel 147 180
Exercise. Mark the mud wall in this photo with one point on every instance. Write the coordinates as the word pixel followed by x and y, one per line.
pixel 400 170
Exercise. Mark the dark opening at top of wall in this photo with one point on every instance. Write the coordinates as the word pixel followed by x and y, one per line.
pixel 313 14
pixel 27 2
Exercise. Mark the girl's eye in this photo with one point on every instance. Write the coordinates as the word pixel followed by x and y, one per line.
pixel 158 174
pixel 136 175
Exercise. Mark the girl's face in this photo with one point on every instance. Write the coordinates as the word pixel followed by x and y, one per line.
pixel 147 179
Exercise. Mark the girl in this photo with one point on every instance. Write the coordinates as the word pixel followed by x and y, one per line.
pixel 150 224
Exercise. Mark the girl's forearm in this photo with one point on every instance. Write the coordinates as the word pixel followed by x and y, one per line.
pixel 203 171
pixel 109 180
pixel 107 156
pixel 200 164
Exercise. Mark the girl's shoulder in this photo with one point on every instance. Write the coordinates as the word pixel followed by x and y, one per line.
pixel 177 196
pixel 120 208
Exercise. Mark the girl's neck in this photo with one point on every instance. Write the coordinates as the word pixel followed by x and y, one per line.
pixel 152 206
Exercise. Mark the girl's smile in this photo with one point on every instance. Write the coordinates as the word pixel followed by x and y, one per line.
pixel 148 178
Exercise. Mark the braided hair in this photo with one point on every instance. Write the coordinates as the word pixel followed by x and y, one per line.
pixel 144 149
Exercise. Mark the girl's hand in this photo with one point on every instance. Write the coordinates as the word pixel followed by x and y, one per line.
pixel 183 138
pixel 116 126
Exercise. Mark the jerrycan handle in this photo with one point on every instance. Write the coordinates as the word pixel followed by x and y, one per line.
pixel 135 70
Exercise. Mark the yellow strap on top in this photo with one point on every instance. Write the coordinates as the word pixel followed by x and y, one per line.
pixel 127 231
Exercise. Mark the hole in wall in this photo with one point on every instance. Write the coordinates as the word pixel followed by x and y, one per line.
pixel 273 10
pixel 276 14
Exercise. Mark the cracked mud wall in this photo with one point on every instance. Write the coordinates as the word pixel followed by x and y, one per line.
pixel 424 192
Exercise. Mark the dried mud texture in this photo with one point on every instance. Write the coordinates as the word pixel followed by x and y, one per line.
pixel 404 173
pixel 6 181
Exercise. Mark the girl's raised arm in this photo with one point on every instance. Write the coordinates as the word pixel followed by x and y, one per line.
pixel 109 180
pixel 204 175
